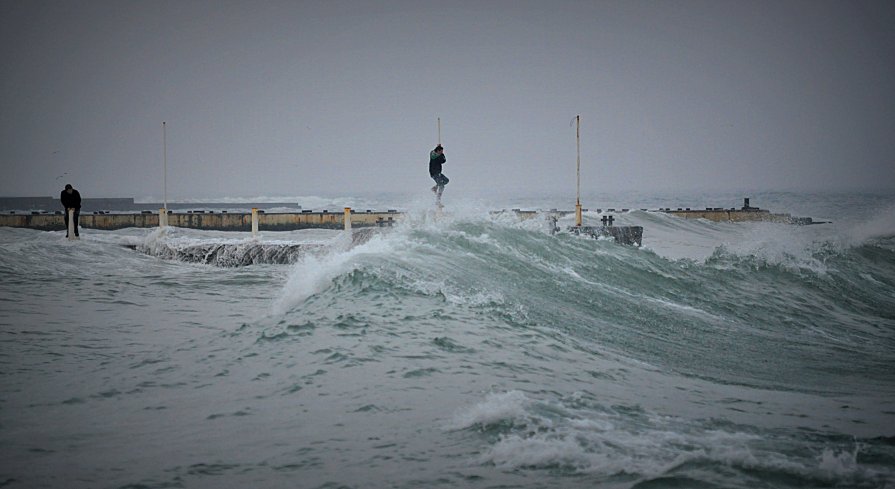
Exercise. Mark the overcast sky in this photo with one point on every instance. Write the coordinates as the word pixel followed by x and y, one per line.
pixel 303 98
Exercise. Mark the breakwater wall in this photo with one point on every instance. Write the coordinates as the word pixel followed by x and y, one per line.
pixel 222 221
pixel 305 219
pixel 746 213
pixel 738 215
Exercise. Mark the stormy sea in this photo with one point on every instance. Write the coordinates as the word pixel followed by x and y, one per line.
pixel 462 349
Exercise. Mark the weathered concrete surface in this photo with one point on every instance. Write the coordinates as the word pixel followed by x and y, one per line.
pixel 240 253
pixel 714 214
pixel 56 222
pixel 216 221
pixel 740 215
pixel 733 215
pixel 334 220
pixel 745 213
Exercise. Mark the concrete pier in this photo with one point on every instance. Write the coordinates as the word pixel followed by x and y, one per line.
pixel 219 221
pixel 745 213
pixel 306 219
pixel 738 215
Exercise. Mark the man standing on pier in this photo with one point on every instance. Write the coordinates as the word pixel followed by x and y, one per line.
pixel 436 159
pixel 71 199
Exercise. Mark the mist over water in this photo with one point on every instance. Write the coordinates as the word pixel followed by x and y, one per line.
pixel 464 350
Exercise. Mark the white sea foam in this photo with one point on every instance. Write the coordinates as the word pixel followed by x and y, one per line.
pixel 839 463
pixel 154 242
pixel 791 247
pixel 497 407
pixel 688 310
pixel 582 440
pixel 879 225
pixel 313 273
pixel 868 277
pixel 606 443
pixel 803 247
pixel 516 451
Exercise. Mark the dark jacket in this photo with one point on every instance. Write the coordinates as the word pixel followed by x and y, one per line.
pixel 435 162
pixel 71 200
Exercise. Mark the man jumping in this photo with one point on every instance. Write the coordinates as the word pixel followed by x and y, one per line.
pixel 436 159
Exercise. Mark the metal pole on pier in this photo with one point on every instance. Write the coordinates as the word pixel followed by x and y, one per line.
pixel 578 171
pixel 165 151
pixel 439 131
pixel 163 213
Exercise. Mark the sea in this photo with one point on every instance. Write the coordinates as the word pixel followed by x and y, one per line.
pixel 461 348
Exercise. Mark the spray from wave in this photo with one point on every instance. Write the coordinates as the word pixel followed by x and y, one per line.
pixel 579 435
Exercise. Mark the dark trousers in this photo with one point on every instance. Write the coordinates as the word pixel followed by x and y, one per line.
pixel 77 214
pixel 440 179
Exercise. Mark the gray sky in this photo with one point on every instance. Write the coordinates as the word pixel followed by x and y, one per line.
pixel 303 98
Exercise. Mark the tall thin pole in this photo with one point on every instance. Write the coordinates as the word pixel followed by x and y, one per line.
pixel 578 171
pixel 165 146
pixel 439 131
